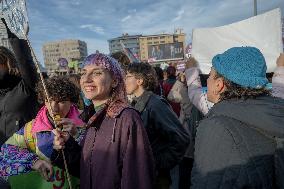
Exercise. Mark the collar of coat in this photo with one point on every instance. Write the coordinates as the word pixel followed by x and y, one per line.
pixel 141 101
pixel 114 111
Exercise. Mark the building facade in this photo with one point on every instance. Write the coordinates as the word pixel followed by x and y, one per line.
pixel 129 41
pixel 162 47
pixel 71 50
pixel 152 48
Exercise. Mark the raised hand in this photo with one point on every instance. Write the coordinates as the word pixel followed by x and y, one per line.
pixel 280 60
pixel 60 138
pixel 190 63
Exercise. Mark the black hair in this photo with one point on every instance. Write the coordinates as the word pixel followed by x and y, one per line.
pixel 146 72
pixel 59 88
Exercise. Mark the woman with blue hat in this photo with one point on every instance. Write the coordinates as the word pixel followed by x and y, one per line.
pixel 198 94
pixel 236 143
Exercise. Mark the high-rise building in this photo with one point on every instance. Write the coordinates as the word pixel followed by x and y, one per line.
pixel 152 48
pixel 129 41
pixel 71 50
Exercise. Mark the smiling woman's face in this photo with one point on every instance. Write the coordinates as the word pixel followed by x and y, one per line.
pixel 96 82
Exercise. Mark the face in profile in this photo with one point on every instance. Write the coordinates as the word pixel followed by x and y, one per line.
pixel 215 86
pixel 131 83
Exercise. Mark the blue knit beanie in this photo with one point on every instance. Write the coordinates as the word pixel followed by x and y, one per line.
pixel 242 65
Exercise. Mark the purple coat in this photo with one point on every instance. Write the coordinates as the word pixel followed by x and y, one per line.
pixel 115 153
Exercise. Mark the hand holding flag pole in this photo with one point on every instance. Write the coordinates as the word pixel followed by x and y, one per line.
pixel 36 62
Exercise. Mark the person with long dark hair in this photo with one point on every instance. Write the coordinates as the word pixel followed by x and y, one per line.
pixel 18 78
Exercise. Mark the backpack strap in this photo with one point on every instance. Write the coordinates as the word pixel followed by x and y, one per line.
pixel 29 139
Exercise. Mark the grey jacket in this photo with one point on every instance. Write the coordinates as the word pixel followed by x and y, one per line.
pixel 239 145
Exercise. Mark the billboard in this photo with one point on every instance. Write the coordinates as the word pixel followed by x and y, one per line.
pixel 165 51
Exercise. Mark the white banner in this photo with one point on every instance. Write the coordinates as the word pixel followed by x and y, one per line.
pixel 263 32
pixel 15 14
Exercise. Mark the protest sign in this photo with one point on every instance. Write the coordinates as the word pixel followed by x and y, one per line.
pixel 15 14
pixel 263 32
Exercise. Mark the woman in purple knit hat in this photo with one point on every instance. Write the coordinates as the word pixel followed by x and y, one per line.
pixel 115 151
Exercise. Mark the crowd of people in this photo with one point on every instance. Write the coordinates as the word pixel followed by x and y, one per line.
pixel 134 126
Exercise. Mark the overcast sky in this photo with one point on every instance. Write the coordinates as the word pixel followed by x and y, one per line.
pixel 97 21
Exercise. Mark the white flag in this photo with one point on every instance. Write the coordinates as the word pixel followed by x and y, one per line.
pixel 263 32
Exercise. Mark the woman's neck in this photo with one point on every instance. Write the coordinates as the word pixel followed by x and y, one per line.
pixel 98 103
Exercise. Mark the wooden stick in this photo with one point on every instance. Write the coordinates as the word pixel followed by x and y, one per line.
pixel 48 101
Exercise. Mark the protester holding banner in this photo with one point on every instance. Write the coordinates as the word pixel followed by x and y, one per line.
pixel 278 78
pixel 199 98
pixel 115 152
pixel 195 93
pixel 17 90
pixel 30 148
pixel 239 143
pixel 179 94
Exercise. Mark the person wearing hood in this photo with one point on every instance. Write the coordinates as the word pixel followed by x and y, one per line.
pixel 115 151
pixel 18 77
pixel 238 144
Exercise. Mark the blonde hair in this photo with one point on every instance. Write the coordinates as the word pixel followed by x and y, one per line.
pixel 7 57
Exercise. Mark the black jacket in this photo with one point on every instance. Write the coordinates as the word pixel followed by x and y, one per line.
pixel 236 145
pixel 18 102
pixel 168 138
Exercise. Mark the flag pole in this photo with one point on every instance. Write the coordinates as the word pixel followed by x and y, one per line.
pixel 36 62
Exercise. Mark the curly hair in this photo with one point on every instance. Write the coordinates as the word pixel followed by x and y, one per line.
pixel 237 91
pixel 75 79
pixel 146 72
pixel 59 88
pixel 7 57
